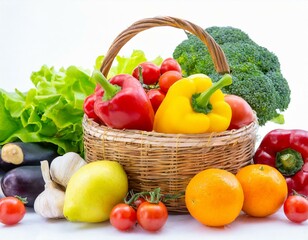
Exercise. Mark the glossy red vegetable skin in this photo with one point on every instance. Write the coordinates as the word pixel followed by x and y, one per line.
pixel 242 113
pixel 167 79
pixel 123 217
pixel 150 73
pixel 299 181
pixel 152 216
pixel 12 210
pixel 88 105
pixel 291 145
pixel 279 139
pixel 130 108
pixel 156 97
pixel 170 64
pixel 296 208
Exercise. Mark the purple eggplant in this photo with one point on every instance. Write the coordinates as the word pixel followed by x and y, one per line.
pixel 16 154
pixel 25 181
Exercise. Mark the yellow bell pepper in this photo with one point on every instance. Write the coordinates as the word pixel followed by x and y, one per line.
pixel 194 105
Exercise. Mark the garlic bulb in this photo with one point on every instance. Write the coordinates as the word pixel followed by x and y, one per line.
pixel 50 202
pixel 63 167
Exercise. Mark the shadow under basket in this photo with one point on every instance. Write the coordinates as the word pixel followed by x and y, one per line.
pixel 168 161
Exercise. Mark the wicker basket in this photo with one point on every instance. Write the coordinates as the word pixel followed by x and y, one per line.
pixel 168 161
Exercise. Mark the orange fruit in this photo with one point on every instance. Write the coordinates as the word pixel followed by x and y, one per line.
pixel 214 197
pixel 265 189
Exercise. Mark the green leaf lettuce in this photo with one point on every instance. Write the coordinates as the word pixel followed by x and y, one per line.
pixel 51 112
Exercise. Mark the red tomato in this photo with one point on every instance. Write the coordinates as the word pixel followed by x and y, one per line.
pixel 170 64
pixel 242 113
pixel 296 208
pixel 12 210
pixel 123 217
pixel 150 73
pixel 167 79
pixel 152 216
pixel 156 96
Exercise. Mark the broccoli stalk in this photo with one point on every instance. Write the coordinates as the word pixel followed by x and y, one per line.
pixel 255 70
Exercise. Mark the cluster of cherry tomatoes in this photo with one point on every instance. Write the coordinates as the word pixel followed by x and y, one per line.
pixel 145 209
pixel 158 79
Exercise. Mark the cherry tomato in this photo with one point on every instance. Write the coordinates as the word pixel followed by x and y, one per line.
pixel 156 96
pixel 12 210
pixel 296 208
pixel 242 113
pixel 123 217
pixel 152 216
pixel 167 79
pixel 170 64
pixel 150 73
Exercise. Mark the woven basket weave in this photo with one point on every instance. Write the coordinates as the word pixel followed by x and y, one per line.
pixel 168 161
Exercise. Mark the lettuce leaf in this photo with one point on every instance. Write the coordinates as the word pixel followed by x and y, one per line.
pixel 51 112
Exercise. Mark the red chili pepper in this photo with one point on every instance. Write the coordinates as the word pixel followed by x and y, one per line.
pixel 286 150
pixel 88 104
pixel 125 104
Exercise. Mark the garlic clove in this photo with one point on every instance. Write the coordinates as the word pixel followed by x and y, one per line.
pixel 50 202
pixel 63 167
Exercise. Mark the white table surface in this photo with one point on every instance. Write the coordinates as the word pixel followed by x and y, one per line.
pixel 177 227
pixel 63 33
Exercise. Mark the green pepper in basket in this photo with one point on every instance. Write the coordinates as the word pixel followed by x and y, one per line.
pixel 194 105
pixel 124 104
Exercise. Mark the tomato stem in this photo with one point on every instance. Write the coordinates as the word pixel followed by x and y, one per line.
pixel 295 193
pixel 154 196
pixel 22 199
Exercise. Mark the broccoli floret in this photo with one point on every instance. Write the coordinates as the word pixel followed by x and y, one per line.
pixel 255 70
pixel 224 35
pixel 255 87
pixel 237 53
pixel 188 54
pixel 282 88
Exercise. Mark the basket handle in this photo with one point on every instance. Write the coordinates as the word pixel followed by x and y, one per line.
pixel 217 55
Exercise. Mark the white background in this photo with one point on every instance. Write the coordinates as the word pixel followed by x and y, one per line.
pixel 63 33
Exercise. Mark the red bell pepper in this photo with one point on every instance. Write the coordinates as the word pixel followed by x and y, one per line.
pixel 286 150
pixel 88 104
pixel 124 104
pixel 299 182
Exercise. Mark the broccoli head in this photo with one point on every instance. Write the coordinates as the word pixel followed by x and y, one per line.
pixel 224 35
pixel 255 70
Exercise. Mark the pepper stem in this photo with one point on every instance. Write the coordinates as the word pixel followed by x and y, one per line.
pixel 110 90
pixel 140 74
pixel 201 102
pixel 289 161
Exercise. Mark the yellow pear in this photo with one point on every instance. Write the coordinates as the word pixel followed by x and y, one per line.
pixel 93 190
